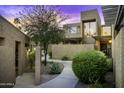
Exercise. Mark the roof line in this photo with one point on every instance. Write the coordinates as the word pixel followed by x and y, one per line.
pixel 12 25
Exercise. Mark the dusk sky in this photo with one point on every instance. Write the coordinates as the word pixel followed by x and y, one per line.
pixel 73 11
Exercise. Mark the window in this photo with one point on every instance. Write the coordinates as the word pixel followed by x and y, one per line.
pixel 106 31
pixel 74 29
pixel 1 41
pixel 90 29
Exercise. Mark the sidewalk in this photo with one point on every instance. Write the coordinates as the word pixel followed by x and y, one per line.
pixel 66 79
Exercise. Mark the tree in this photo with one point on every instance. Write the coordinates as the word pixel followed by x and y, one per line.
pixel 42 24
pixel 31 57
pixel 17 23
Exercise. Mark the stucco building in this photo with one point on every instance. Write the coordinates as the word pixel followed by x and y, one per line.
pixel 89 31
pixel 12 51
pixel 114 16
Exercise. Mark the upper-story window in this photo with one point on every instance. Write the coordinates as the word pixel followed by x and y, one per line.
pixel 106 31
pixel 90 28
pixel 74 29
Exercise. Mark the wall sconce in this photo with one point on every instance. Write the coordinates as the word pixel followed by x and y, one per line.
pixel 110 41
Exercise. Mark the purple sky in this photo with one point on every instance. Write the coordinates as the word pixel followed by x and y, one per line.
pixel 73 11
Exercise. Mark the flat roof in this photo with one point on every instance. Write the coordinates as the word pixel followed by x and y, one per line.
pixel 110 13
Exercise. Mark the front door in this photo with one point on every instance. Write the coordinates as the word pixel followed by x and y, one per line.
pixel 17 57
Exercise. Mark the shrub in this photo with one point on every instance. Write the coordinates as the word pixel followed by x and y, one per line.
pixel 31 57
pixel 90 66
pixel 110 65
pixel 65 58
pixel 96 85
pixel 55 69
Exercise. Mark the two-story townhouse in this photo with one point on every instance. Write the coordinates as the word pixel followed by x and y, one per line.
pixel 89 31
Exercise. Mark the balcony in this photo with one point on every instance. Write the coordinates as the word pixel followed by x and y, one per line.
pixel 73 35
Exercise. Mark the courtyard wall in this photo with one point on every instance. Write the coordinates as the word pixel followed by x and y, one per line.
pixel 118 58
pixel 69 50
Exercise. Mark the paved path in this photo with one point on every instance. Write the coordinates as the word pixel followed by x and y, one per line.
pixel 25 81
pixel 66 79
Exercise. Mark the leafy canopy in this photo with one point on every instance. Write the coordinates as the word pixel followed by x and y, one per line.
pixel 42 23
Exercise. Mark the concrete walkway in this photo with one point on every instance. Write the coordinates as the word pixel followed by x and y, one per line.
pixel 66 79
pixel 25 81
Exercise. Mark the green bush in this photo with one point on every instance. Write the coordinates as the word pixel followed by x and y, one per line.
pixel 55 69
pixel 65 58
pixel 110 65
pixel 96 85
pixel 90 67
pixel 31 57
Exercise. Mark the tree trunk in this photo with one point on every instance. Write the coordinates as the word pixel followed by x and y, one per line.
pixel 45 60
pixel 45 54
pixel 40 53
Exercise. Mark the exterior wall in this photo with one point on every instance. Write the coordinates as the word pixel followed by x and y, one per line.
pixel 69 50
pixel 91 14
pixel 118 58
pixel 87 16
pixel 7 51
pixel 118 48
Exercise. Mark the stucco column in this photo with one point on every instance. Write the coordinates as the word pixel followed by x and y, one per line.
pixel 37 66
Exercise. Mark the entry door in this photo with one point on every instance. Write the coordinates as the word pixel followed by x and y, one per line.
pixel 17 45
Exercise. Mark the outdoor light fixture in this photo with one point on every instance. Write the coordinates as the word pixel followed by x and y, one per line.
pixel 110 41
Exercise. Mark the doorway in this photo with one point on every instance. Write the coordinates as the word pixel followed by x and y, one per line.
pixel 17 50
pixel 105 47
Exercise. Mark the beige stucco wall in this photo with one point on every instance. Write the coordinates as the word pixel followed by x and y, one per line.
pixel 118 58
pixel 7 51
pixel 69 50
